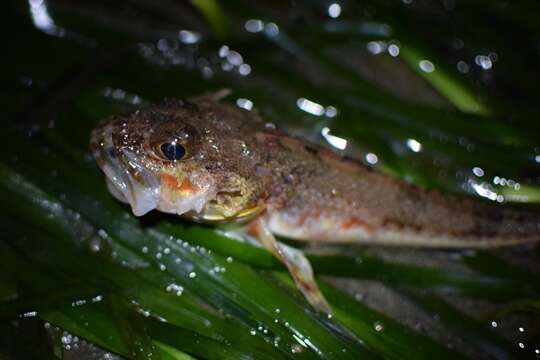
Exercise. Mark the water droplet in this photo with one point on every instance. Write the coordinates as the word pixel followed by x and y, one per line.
pixel 192 275
pixel 483 61
pixel 393 50
pixel 334 10
pixel 254 25
pixel 372 158
pixel 244 69
pixel 244 104
pixel 296 348
pixel 414 145
pixel 462 67
pixel 271 29
pixel 426 66
pixel 378 326
pixel 478 171
pixel 66 338
pixel 95 245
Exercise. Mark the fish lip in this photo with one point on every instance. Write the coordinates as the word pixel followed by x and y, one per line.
pixel 131 182
pixel 118 166
pixel 192 203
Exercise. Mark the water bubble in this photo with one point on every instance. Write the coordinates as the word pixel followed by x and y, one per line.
pixel 462 67
pixel 335 141
pixel 229 259
pixel 378 326
pixel 330 111
pixel 296 348
pixel 144 250
pixel 223 51
pixel 207 72
pixel 174 288
pixel 29 314
pixel 271 29
pixel 95 245
pixel 372 158
pixel 192 275
pixel 78 302
pixel 376 47
pixel 393 50
pixel 235 58
pixel 254 25
pixel 426 66
pixel 244 104
pixel 334 10
pixel 478 171
pixel 66 338
pixel 414 145
pixel 189 37
pixel 310 106
pixel 483 61
pixel 244 69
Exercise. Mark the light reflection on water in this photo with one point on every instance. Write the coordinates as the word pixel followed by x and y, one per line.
pixel 42 20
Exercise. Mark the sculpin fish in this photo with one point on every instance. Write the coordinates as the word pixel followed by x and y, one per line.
pixel 209 161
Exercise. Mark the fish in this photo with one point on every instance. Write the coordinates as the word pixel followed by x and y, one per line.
pixel 208 161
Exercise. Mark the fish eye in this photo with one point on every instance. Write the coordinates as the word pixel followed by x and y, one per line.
pixel 173 150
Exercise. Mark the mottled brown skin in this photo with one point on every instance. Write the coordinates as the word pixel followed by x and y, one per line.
pixel 308 192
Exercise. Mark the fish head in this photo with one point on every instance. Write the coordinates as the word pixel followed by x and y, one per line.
pixel 179 158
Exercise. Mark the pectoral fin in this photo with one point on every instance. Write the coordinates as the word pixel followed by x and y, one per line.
pixel 295 261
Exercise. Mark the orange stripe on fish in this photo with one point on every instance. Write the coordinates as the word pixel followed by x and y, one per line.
pixel 356 222
pixel 172 182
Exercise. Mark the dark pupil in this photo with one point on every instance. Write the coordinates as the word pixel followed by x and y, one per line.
pixel 173 151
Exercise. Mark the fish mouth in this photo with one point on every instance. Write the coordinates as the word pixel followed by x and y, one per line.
pixel 131 182
pixel 127 179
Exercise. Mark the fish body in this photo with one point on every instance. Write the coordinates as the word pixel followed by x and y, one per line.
pixel 208 161
pixel 234 166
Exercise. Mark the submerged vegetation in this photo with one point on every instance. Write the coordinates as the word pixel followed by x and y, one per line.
pixel 442 94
